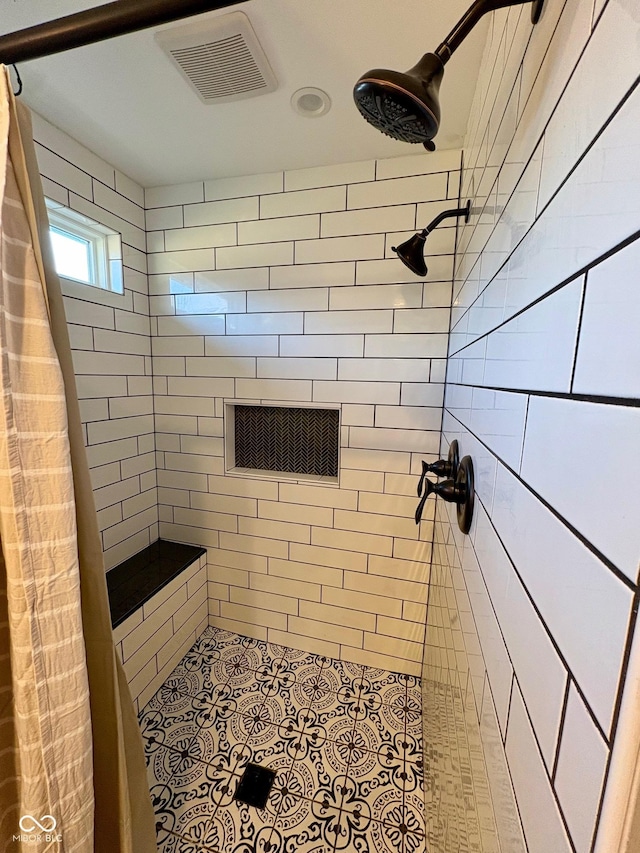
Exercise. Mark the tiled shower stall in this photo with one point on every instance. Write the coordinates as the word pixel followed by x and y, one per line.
pixel 282 289
pixel 251 305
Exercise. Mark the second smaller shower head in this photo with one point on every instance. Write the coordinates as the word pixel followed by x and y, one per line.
pixel 411 252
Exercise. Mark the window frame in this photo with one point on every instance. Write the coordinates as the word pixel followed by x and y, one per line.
pixel 104 252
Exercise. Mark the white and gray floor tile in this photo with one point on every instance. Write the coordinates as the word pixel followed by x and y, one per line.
pixel 343 740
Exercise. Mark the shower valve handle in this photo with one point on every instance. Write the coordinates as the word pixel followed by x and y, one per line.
pixel 429 490
pixel 458 489
pixel 448 490
pixel 443 467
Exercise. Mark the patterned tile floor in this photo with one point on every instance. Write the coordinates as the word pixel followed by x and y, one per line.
pixel 343 739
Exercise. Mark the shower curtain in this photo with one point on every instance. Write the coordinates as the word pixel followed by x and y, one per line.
pixel 72 774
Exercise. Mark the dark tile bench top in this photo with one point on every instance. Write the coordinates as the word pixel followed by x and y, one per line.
pixel 133 582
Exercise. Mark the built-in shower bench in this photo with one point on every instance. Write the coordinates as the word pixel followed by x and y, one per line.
pixel 158 602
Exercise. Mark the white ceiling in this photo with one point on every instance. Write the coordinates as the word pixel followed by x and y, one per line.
pixel 124 100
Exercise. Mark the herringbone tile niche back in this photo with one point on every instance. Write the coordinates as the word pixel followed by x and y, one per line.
pixel 292 439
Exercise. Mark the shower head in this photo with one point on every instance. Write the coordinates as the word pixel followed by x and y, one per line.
pixel 411 252
pixel 405 106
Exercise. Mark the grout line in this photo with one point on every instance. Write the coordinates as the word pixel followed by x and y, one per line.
pixel 508 717
pixel 598 399
pixel 579 330
pixel 520 113
pixel 594 550
pixel 569 280
pixel 554 643
pixel 524 435
pixel 551 787
pixel 539 214
pixel 563 715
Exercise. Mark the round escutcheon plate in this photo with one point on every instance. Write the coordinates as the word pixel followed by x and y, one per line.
pixel 465 478
pixel 454 458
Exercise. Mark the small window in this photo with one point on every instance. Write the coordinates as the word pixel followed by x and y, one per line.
pixel 85 250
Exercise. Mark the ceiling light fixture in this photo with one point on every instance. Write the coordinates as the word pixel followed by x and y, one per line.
pixel 406 106
pixel 311 102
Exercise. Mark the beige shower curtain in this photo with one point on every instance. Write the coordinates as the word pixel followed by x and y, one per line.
pixel 72 775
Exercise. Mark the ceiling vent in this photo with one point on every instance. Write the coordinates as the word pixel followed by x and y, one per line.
pixel 221 58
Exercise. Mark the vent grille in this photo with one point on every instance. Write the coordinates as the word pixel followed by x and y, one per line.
pixel 282 438
pixel 222 60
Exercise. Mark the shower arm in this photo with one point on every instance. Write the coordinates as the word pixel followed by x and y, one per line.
pixel 446 214
pixel 97 24
pixel 464 26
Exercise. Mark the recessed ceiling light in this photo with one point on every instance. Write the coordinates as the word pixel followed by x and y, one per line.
pixel 311 102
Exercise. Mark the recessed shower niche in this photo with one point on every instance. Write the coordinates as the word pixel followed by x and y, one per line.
pixel 292 441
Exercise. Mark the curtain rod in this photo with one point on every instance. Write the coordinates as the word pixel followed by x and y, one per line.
pixel 97 24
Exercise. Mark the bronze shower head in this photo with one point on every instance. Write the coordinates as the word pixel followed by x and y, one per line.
pixel 405 106
pixel 411 252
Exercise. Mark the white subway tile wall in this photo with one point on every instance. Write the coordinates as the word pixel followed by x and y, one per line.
pixel 542 383
pixel 110 340
pixel 283 289
pixel 276 288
